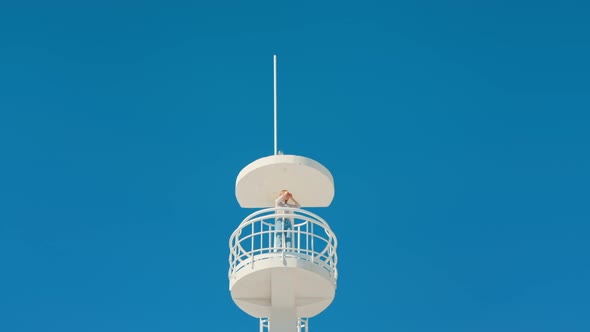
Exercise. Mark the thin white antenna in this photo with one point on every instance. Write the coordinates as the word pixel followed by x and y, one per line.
pixel 275 95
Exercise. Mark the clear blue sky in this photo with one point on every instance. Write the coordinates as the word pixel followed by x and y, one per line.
pixel 457 134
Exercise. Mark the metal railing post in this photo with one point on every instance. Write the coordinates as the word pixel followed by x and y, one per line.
pixel 312 242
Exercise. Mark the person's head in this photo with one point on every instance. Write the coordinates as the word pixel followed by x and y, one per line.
pixel 285 194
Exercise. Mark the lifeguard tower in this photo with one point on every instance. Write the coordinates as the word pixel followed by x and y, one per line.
pixel 283 283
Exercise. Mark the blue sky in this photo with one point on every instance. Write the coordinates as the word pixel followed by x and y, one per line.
pixel 457 134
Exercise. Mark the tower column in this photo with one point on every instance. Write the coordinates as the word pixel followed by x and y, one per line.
pixel 283 314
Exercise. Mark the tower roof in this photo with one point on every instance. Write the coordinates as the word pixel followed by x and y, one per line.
pixel 259 183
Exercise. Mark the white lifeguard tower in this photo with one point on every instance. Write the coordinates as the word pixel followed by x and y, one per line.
pixel 283 283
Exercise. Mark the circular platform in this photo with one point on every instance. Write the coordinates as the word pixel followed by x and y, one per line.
pixel 259 183
pixel 277 280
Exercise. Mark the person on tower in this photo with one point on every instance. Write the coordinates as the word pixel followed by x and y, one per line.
pixel 284 222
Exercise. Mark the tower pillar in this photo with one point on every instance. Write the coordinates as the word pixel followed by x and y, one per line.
pixel 283 313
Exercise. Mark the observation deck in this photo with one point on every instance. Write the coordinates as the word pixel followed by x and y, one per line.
pixel 283 267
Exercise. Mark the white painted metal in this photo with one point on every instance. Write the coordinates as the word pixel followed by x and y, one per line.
pixel 302 325
pixel 312 241
pixel 296 279
pixel 259 183
pixel 275 101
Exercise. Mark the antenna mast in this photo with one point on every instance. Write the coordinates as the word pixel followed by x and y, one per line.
pixel 275 98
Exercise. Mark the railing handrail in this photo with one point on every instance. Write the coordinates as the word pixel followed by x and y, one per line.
pixel 303 223
pixel 315 218
pixel 289 209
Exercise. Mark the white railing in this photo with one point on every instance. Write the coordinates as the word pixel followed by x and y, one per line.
pixel 286 232
pixel 302 325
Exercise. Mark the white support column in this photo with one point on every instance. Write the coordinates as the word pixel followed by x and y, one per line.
pixel 283 316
